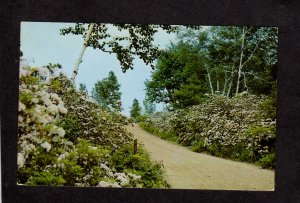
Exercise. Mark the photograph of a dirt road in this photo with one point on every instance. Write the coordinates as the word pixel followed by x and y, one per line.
pixel 189 170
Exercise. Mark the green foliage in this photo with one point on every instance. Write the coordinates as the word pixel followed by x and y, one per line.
pixel 136 42
pixel 151 173
pixel 53 67
pixel 199 146
pixel 207 61
pixel 71 125
pixel 178 78
pixel 45 178
pixel 166 135
pixel 106 93
pixel 73 146
pixel 87 120
pixel 149 106
pixel 82 88
pixel 135 110
pixel 231 128
pixel 268 108
pixel 267 161
pixel 141 118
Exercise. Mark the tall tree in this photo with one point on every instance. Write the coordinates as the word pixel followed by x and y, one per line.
pixel 149 106
pixel 82 88
pixel 131 40
pixel 107 93
pixel 135 110
pixel 216 60
pixel 179 77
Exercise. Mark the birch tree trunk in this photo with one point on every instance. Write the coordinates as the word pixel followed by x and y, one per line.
pixel 230 79
pixel 209 80
pixel 229 88
pixel 84 45
pixel 241 60
pixel 245 82
pixel 225 84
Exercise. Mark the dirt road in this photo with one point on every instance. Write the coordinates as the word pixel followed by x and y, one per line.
pixel 190 170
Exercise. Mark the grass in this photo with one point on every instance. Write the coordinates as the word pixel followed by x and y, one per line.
pixel 265 162
pixel 169 136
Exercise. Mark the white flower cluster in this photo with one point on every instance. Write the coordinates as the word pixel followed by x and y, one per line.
pixel 108 171
pixel 46 146
pixel 38 110
pixel 122 178
pixel 108 184
pixel 20 160
pixel 219 120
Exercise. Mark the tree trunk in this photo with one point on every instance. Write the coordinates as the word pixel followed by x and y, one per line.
pixel 209 80
pixel 229 88
pixel 245 82
pixel 224 88
pixel 231 79
pixel 241 60
pixel 79 60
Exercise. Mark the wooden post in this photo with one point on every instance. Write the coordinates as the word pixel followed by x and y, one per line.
pixel 135 146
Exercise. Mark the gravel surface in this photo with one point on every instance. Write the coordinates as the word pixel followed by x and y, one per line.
pixel 189 170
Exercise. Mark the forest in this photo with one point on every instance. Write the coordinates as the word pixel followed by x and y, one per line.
pixel 217 85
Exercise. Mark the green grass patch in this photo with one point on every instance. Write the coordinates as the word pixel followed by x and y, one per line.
pixel 165 135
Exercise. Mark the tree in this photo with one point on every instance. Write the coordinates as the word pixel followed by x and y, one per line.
pixel 132 40
pixel 179 77
pixel 149 106
pixel 106 93
pixel 135 110
pixel 82 88
pixel 53 67
pixel 216 60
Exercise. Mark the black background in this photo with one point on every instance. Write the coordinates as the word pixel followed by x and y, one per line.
pixel 283 14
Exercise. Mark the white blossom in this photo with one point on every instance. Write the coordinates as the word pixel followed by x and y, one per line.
pixel 20 118
pixel 20 160
pixel 134 176
pixel 55 96
pixel 43 72
pixel 22 107
pixel 24 72
pixel 53 109
pixel 108 184
pixel 35 100
pixel 46 146
pixel 58 130
pixel 62 109
pixel 122 178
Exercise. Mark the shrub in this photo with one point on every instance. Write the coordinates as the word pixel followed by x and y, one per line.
pixel 66 139
pixel 267 161
pixel 87 119
pixel 235 128
pixel 151 173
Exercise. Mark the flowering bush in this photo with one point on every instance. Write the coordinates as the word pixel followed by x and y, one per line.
pixel 66 139
pixel 86 119
pixel 234 128
pixel 38 134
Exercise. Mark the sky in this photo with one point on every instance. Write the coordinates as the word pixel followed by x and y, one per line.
pixel 41 44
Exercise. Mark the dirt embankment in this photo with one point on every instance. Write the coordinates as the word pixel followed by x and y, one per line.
pixel 189 170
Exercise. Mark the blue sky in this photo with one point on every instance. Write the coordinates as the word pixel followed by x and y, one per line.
pixel 42 44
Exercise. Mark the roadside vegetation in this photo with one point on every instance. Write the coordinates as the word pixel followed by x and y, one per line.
pixel 65 138
pixel 217 85
pixel 219 88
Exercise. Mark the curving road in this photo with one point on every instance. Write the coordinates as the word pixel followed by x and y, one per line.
pixel 189 170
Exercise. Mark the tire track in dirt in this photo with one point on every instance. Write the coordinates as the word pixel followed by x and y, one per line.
pixel 189 170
